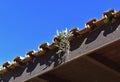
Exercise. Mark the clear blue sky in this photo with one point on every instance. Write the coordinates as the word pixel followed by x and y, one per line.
pixel 24 24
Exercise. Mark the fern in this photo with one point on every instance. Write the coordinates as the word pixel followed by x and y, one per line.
pixel 63 43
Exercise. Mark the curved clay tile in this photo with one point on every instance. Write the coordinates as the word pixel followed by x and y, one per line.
pixel 84 31
pixel 31 53
pixel 16 62
pixel 99 23
pixel 39 53
pixel 14 65
pixel 44 46
pixel 108 13
pixel 18 59
pixel 27 59
pixel 90 25
pixel 56 40
pixel 6 64
pixel 75 31
pixel 52 46
pixel 91 21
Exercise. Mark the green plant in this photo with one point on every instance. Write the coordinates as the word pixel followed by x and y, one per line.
pixel 106 20
pixel 109 19
pixel 63 43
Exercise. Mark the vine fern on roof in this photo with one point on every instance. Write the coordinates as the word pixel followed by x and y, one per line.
pixel 63 43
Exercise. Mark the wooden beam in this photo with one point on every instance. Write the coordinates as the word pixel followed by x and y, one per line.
pixel 36 79
pixel 106 61
pixel 53 78
pixel 102 65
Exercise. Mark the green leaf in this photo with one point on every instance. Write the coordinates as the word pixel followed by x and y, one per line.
pixel 64 44
pixel 106 20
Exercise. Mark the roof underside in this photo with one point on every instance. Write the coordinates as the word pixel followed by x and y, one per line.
pixel 94 57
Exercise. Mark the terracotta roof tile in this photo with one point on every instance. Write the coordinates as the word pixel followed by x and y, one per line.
pixel 109 13
pixel 6 65
pixel 91 21
pixel 17 59
pixel 40 52
pixel 43 48
pixel 26 59
pixel 31 53
pixel 75 31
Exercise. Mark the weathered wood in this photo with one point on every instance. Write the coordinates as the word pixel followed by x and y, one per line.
pixel 36 79
pixel 90 42
pixel 84 69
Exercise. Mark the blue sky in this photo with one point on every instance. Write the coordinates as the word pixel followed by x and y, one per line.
pixel 25 24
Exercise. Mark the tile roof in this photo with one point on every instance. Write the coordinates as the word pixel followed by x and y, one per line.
pixel 108 17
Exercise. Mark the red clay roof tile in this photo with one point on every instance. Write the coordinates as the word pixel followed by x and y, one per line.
pixel 44 47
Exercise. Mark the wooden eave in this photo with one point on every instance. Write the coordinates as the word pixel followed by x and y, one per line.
pixel 94 57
